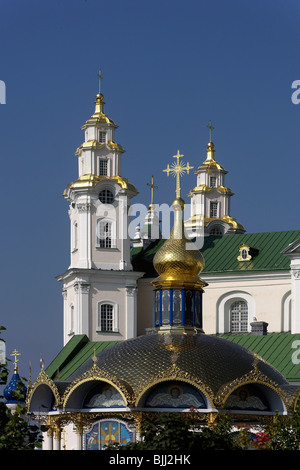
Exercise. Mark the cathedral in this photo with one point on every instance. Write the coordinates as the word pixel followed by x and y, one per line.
pixel 207 318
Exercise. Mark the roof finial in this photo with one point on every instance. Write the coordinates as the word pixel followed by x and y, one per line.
pixel 100 78
pixel 151 206
pixel 15 353
pixel 42 362
pixel 210 127
pixel 178 169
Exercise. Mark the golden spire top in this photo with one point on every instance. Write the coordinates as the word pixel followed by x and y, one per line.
pixel 99 108
pixel 178 261
pixel 177 170
pixel 15 353
pixel 152 205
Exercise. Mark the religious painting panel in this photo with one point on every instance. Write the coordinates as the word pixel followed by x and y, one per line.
pixel 247 398
pixel 107 432
pixel 104 396
pixel 175 395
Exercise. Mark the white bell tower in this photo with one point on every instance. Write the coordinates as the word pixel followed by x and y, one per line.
pixel 210 200
pixel 99 287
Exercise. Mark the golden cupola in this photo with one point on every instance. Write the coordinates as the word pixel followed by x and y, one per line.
pixel 178 289
pixel 178 262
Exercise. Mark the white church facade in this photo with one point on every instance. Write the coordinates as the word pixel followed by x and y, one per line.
pixel 251 288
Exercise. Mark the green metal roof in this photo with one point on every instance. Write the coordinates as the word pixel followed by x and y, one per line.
pixel 75 353
pixel 276 348
pixel 220 253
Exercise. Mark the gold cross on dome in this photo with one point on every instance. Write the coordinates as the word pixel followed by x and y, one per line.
pixel 152 189
pixel 211 128
pixel 15 353
pixel 177 170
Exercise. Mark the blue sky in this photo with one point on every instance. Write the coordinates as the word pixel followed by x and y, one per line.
pixel 169 66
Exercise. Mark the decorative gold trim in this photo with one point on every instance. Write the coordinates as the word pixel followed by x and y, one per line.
pixel 255 376
pixel 195 219
pixel 173 373
pixel 43 379
pixel 93 143
pixel 247 248
pixel 204 188
pixel 96 374
pixel 91 180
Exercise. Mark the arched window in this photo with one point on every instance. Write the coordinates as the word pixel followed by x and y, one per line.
pixel 106 196
pixel 107 317
pixel 239 316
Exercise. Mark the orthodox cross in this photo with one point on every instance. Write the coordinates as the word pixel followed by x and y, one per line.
pixel 15 353
pixel 210 127
pixel 100 78
pixel 177 170
pixel 152 190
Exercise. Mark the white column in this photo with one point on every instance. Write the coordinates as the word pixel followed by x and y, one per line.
pixel 82 307
pixel 131 314
pixel 122 233
pixel 57 438
pixel 78 440
pixel 65 316
pixel 84 235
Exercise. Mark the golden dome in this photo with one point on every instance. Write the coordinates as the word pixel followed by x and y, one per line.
pixel 178 260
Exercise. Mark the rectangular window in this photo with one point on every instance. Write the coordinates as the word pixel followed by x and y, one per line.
pixel 213 209
pixel 102 167
pixel 212 181
pixel 106 317
pixel 102 137
pixel 105 235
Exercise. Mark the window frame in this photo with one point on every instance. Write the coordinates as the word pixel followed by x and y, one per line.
pixel 114 317
pixel 214 179
pixel 213 208
pixel 102 137
pixel 103 166
pixel 109 197
pixel 106 242
pixel 240 322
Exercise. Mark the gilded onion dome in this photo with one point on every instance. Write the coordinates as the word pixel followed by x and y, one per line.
pixel 178 260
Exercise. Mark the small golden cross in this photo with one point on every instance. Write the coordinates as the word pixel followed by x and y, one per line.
pixel 15 353
pixel 152 188
pixel 177 170
pixel 210 127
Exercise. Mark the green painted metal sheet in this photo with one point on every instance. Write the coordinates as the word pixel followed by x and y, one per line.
pixel 278 349
pixel 220 253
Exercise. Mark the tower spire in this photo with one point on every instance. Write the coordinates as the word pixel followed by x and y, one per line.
pixel 211 128
pixel 152 205
pixel 100 76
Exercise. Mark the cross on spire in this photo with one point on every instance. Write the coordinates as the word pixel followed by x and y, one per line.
pixel 100 76
pixel 152 190
pixel 211 128
pixel 177 170
pixel 15 353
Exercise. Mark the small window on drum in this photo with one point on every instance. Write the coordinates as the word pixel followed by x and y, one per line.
pixel 106 196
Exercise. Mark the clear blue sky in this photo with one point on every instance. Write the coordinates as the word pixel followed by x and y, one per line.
pixel 169 66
